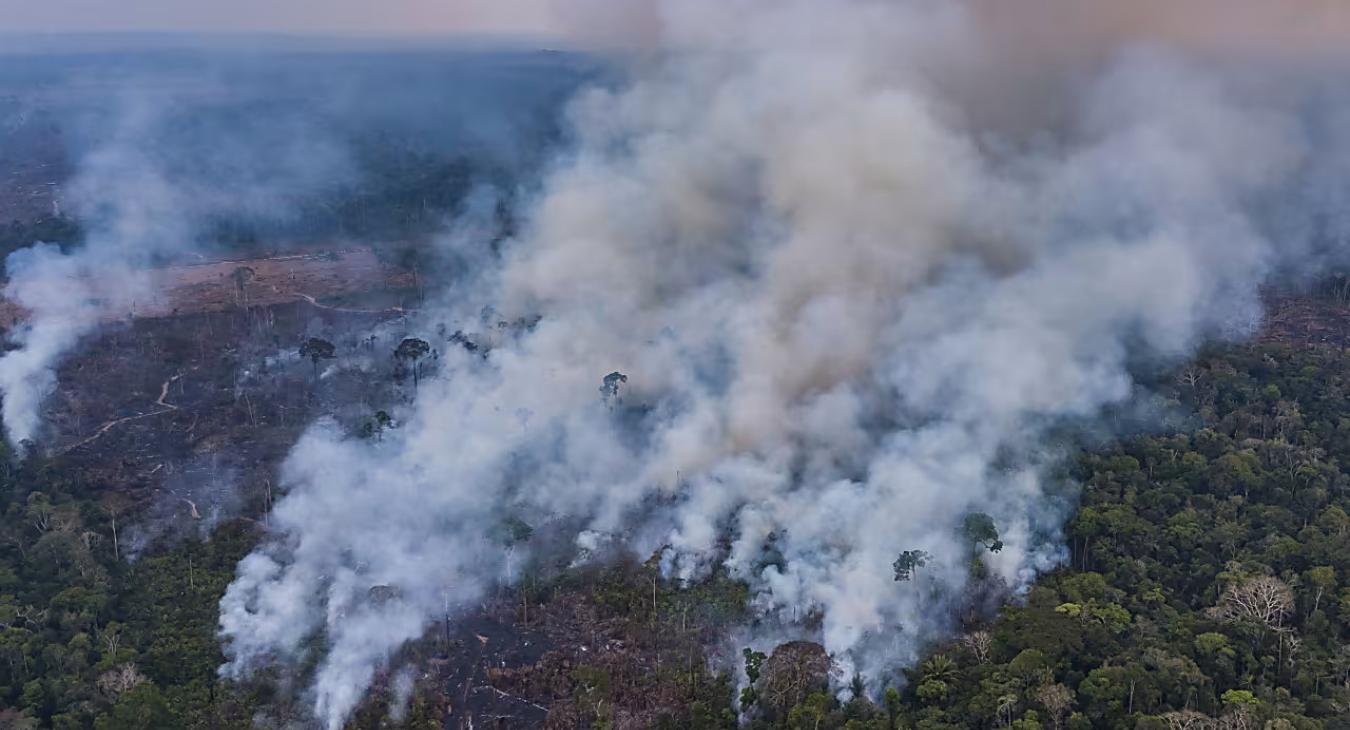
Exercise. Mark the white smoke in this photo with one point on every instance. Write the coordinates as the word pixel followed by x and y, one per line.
pixel 144 189
pixel 66 296
pixel 848 315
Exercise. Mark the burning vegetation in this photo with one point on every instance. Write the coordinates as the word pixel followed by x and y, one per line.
pixel 847 370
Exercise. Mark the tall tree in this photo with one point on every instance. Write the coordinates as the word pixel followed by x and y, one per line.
pixel 909 563
pixel 318 349
pixel 412 350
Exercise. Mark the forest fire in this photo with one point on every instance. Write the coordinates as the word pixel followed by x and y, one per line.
pixel 768 363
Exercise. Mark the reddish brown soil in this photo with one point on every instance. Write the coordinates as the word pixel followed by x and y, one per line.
pixel 316 277
pixel 312 277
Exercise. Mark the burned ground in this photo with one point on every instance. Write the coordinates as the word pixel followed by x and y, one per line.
pixel 182 422
pixel 145 403
pixel 1313 320
pixel 596 647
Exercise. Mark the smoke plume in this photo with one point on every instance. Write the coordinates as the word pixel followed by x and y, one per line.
pixel 849 305
pixel 68 295
pixel 145 189
pixel 179 148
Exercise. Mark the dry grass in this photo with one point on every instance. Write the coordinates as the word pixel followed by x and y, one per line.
pixel 220 286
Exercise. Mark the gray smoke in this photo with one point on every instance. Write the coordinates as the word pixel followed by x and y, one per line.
pixel 144 195
pixel 849 311
pixel 136 213
pixel 176 148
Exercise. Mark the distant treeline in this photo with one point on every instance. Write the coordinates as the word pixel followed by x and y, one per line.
pixel 62 231
pixel 404 195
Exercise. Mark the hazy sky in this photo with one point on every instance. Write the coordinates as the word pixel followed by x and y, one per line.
pixel 1288 25
pixel 532 17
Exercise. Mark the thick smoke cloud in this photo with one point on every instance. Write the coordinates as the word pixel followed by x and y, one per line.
pixel 850 311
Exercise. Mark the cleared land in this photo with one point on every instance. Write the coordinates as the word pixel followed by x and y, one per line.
pixel 325 279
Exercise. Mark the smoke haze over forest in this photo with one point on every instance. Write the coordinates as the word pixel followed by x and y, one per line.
pixel 850 309
pixel 863 264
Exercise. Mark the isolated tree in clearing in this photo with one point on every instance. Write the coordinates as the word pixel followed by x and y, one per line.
pixel 412 350
pixel 979 528
pixel 316 349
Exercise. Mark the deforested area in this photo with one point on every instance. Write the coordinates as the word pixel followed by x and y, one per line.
pixel 861 364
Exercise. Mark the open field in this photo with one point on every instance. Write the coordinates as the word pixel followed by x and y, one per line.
pixel 313 276
pixel 219 286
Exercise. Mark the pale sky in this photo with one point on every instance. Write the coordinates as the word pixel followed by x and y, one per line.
pixel 1290 25
pixel 365 17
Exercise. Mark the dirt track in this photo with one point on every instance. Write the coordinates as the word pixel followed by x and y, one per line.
pixel 164 407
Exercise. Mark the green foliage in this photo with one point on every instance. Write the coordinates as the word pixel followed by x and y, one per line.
pixel 142 708
pixel 88 640
pixel 754 663
pixel 1239 697
pixel 908 563
pixel 979 528
pixel 1130 632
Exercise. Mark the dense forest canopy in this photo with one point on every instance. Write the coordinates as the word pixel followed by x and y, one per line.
pixel 280 148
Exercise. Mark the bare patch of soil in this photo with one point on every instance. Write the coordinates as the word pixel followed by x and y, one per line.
pixel 314 278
